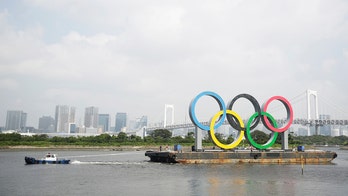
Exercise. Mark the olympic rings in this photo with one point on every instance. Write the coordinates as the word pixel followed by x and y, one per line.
pixel 237 123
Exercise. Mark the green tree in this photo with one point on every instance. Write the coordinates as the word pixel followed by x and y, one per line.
pixel 56 139
pixel 259 137
pixel 71 140
pixel 122 137
pixel 14 137
pixel 135 138
pixel 104 138
pixel 190 134
pixel 189 138
pixel 230 139
pixel 207 139
pixel 149 140
pixel 161 133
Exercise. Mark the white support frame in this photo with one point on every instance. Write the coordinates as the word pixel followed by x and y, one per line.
pixel 167 106
pixel 309 94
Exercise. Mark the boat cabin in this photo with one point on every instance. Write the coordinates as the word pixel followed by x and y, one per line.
pixel 50 157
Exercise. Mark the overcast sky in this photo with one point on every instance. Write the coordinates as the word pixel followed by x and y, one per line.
pixel 135 56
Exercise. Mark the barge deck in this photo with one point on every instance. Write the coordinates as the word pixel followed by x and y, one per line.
pixel 267 157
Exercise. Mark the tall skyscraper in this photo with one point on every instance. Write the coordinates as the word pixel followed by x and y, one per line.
pixel 104 122
pixel 120 121
pixel 141 122
pixel 91 117
pixel 46 124
pixel 16 120
pixel 65 115
pixel 325 129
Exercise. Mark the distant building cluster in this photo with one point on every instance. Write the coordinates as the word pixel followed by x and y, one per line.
pixel 327 129
pixel 64 122
pixel 16 120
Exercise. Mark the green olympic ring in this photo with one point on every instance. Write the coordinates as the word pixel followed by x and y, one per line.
pixel 274 135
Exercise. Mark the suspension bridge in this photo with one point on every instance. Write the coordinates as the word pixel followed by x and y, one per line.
pixel 305 105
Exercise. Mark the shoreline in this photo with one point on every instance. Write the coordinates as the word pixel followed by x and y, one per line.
pixel 343 148
pixel 96 148
pixel 64 147
pixel 107 148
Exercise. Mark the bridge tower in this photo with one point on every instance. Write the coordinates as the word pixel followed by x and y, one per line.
pixel 315 95
pixel 166 107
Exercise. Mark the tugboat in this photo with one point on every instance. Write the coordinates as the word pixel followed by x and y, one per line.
pixel 48 159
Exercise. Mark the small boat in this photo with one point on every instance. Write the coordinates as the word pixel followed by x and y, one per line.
pixel 48 159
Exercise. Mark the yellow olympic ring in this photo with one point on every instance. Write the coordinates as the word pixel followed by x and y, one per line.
pixel 212 133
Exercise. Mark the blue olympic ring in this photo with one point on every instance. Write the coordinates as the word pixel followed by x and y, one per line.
pixel 193 103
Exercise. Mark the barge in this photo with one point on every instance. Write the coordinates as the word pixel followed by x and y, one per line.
pixel 228 154
pixel 266 157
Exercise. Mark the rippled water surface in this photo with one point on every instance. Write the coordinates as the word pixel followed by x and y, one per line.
pixel 130 173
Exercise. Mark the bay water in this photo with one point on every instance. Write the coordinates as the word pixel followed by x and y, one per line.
pixel 104 172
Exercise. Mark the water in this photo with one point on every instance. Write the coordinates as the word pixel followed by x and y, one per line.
pixel 130 173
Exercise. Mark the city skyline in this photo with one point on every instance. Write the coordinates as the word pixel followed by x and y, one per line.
pixel 16 121
pixel 80 114
pixel 95 123
pixel 80 119
pixel 136 56
pixel 91 118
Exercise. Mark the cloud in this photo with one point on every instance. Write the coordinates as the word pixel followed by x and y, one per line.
pixel 345 54
pixel 8 84
pixel 97 40
pixel 126 55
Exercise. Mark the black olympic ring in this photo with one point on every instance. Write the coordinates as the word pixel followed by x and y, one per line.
pixel 257 108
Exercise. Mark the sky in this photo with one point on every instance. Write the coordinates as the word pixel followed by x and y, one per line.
pixel 136 56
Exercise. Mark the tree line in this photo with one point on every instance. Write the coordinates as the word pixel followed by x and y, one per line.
pixel 158 137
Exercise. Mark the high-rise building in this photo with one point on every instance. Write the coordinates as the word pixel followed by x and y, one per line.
pixel 72 128
pixel 65 115
pixel 46 124
pixel 104 122
pixel 16 120
pixel 91 117
pixel 141 122
pixel 325 129
pixel 120 121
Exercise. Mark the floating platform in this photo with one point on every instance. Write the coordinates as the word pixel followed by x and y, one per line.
pixel 243 156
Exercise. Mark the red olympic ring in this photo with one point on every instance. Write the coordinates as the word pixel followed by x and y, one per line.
pixel 290 114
